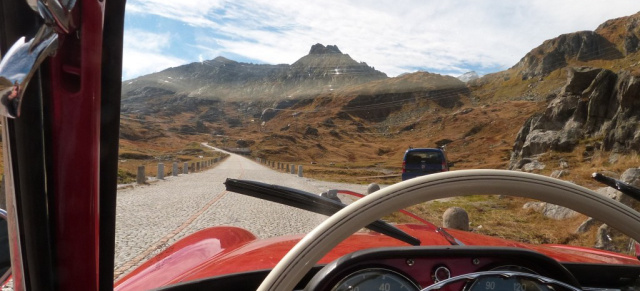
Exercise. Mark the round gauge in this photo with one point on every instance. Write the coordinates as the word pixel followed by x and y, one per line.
pixel 510 283
pixel 498 282
pixel 375 279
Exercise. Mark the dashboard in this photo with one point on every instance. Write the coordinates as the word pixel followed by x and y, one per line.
pixel 415 268
pixel 476 268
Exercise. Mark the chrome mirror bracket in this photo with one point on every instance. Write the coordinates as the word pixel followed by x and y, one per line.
pixel 19 64
pixel 57 13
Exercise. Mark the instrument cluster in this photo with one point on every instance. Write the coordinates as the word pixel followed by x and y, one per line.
pixel 457 268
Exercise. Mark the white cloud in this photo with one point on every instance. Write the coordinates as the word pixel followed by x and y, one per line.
pixel 192 12
pixel 137 63
pixel 143 53
pixel 394 36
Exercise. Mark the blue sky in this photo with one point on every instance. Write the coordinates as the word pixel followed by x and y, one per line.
pixel 395 37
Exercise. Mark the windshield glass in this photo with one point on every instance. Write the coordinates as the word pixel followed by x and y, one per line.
pixel 331 94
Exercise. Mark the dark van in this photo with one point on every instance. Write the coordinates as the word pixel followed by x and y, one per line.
pixel 423 161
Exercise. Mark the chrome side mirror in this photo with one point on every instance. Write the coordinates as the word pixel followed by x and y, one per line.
pixel 24 57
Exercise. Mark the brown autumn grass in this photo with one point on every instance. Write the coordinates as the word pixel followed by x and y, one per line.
pixel 504 217
pixel 379 160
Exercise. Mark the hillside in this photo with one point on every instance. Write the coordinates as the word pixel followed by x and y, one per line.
pixel 346 120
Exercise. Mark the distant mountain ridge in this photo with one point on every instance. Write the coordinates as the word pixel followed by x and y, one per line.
pixel 323 70
pixel 212 92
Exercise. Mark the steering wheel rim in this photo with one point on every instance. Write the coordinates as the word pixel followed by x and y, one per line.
pixel 317 243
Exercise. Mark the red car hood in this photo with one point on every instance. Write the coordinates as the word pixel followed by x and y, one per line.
pixel 225 250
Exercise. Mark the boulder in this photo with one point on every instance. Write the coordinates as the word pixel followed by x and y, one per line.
pixel 616 195
pixel 631 176
pixel 603 238
pixel 456 218
pixel 373 187
pixel 535 206
pixel 550 210
pixel 533 166
pixel 558 212
pixel 586 225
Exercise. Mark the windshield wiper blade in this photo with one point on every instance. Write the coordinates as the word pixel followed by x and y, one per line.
pixel 310 202
pixel 623 187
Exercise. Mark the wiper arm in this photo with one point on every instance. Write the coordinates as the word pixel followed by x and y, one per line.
pixel 311 202
pixel 623 187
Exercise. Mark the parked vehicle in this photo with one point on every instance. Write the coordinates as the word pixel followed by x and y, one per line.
pixel 424 161
pixel 60 150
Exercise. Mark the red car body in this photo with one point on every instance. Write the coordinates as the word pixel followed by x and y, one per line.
pixel 221 251
pixel 61 165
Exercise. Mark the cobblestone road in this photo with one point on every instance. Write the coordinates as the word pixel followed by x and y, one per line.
pixel 151 217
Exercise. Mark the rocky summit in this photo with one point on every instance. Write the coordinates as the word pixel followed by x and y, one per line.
pixel 614 39
pixel 318 49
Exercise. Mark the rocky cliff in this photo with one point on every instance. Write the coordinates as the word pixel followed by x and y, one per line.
pixel 558 52
pixel 595 104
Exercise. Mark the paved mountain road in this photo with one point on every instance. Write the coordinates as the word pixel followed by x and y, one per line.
pixel 151 217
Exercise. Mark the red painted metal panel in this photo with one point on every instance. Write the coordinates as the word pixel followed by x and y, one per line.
pixel 184 256
pixel 265 254
pixel 75 101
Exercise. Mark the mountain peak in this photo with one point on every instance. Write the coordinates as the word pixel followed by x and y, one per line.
pixel 468 76
pixel 222 59
pixel 318 49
